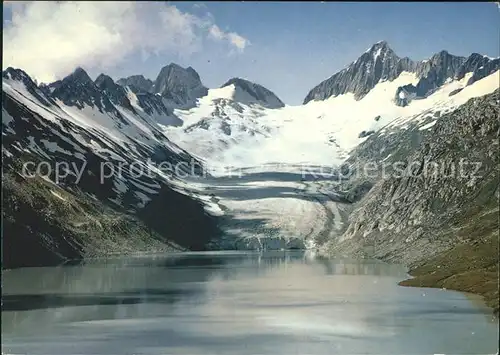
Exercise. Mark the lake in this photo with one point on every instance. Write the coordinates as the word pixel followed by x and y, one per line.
pixel 236 303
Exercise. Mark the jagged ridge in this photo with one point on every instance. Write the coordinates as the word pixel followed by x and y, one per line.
pixel 380 63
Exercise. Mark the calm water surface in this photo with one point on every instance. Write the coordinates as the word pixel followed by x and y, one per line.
pixel 236 303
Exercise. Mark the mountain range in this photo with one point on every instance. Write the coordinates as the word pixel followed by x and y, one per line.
pixel 381 107
pixel 380 63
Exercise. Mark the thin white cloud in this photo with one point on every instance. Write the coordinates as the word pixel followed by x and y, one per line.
pixel 238 41
pixel 235 39
pixel 49 39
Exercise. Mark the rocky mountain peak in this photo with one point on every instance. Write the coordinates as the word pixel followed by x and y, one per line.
pixel 377 54
pixel 380 47
pixel 175 74
pixel 442 62
pixel 179 85
pixel 378 63
pixel 237 82
pixel 78 89
pixel 255 93
pixel 441 54
pixel 193 72
pixel 432 74
pixel 104 81
pixel 16 74
pixel 79 74
pixel 473 63
pixel 40 93
pixel 115 93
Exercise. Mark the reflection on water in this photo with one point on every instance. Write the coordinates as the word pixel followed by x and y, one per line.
pixel 235 303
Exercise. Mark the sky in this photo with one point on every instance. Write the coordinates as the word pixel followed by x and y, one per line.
pixel 288 47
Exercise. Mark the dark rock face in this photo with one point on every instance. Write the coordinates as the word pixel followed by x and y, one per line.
pixel 113 91
pixel 77 89
pixel 174 87
pixel 436 71
pixel 404 95
pixel 179 85
pixel 442 67
pixel 262 95
pixel 41 94
pixel 138 81
pixel 491 66
pixel 380 63
pixel 474 62
pixel 439 67
pixel 150 103
pixel 433 73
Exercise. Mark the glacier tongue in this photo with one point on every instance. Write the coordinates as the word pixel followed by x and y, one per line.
pixel 275 167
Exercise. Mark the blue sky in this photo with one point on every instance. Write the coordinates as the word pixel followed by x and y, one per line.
pixel 288 47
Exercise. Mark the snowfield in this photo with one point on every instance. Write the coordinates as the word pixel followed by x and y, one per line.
pixel 223 130
pixel 237 140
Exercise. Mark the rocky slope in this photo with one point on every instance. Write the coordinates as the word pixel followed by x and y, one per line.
pixel 423 190
pixel 44 224
pixel 449 169
pixel 138 81
pixel 377 64
pixel 438 198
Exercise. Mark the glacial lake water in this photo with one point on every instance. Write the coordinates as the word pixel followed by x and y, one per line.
pixel 236 303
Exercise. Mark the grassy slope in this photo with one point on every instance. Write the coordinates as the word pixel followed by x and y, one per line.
pixel 470 266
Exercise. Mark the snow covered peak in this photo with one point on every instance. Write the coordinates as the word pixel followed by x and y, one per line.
pixel 250 93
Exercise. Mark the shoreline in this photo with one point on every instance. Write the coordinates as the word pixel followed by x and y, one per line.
pixel 475 298
pixel 468 268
